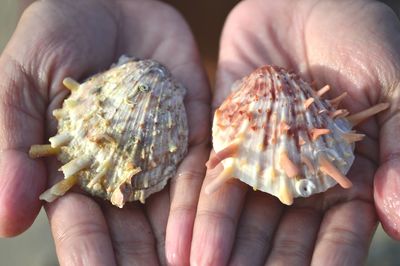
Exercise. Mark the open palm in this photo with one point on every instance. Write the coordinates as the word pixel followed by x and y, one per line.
pixel 353 46
pixel 56 39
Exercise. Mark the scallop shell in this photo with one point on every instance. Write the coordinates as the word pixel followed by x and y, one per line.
pixel 275 133
pixel 121 134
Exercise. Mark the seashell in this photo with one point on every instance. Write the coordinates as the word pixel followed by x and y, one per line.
pixel 275 133
pixel 121 133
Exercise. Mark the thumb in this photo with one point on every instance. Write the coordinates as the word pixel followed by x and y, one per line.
pixel 21 178
pixel 387 178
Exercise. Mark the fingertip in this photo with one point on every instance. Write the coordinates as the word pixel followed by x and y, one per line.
pixel 201 254
pixel 19 192
pixel 175 259
pixel 387 197
pixel 12 225
pixel 211 245
pixel 178 239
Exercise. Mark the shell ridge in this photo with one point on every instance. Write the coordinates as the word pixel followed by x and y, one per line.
pixel 117 115
pixel 137 127
pixel 282 124
pixel 117 119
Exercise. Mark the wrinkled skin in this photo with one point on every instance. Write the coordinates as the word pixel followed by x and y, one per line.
pixel 55 39
pixel 353 46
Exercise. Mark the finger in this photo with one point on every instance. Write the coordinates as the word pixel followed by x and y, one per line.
pixel 20 126
pixel 387 178
pixel 80 231
pixel 258 222
pixel 345 234
pixel 157 210
pixel 185 189
pixel 295 238
pixel 19 191
pixel 216 220
pixel 131 234
pixel 386 195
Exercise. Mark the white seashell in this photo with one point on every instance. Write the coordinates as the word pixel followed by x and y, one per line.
pixel 122 132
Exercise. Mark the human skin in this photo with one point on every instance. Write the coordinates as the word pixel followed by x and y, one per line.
pixel 353 46
pixel 336 42
pixel 56 39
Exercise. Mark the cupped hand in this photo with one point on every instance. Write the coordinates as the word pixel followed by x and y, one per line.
pixel 353 46
pixel 56 39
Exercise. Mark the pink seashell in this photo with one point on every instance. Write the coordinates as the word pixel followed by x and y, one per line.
pixel 275 133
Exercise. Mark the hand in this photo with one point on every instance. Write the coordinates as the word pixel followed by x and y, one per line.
pixel 56 39
pixel 353 46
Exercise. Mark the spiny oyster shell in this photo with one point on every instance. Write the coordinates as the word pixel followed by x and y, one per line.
pixel 275 133
pixel 122 133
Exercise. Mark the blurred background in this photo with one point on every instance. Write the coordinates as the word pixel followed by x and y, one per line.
pixel 35 246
